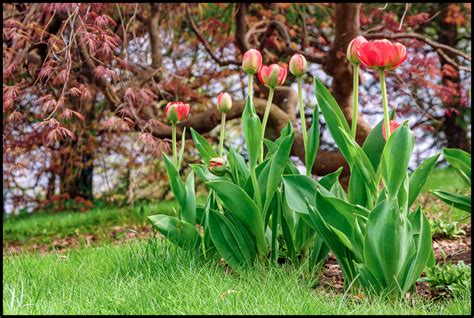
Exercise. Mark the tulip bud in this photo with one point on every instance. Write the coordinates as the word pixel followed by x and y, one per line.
pixel 252 61
pixel 393 125
pixel 224 102
pixel 217 166
pixel 352 47
pixel 298 65
pixel 272 75
pixel 176 111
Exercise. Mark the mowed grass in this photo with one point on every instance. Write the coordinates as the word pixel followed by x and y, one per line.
pixel 155 278
pixel 43 228
pixel 445 179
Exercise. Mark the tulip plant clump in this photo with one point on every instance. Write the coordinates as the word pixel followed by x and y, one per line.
pixel 265 210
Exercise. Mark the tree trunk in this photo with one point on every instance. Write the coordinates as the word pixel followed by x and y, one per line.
pixel 76 170
pixel 456 134
pixel 346 20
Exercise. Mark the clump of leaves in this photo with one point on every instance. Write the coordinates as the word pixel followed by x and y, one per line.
pixel 448 230
pixel 448 279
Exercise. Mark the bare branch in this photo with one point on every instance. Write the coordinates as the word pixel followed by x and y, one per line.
pixel 204 42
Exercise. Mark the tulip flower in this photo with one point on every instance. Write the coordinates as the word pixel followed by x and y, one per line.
pixel 252 61
pixel 224 104
pixel 298 65
pixel 393 125
pixel 298 68
pixel 382 55
pixel 217 165
pixel 176 111
pixel 251 64
pixel 354 59
pixel 270 76
pixel 352 49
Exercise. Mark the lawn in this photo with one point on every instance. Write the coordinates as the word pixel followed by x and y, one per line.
pixel 150 276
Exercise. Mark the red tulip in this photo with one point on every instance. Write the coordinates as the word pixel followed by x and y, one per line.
pixel 298 65
pixel 224 102
pixel 252 61
pixel 177 111
pixel 381 54
pixel 352 47
pixel 393 125
pixel 272 75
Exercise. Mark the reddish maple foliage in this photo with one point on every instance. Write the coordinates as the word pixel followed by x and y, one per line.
pixel 86 80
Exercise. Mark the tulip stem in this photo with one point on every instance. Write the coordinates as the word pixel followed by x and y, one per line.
pixel 250 87
pixel 175 152
pixel 355 96
pixel 221 141
pixel 384 103
pixel 256 189
pixel 265 119
pixel 302 116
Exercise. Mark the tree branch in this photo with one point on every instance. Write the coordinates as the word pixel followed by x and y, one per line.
pixel 204 42
pixel 283 30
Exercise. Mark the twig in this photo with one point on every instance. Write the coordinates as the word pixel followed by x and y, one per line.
pixel 407 5
pixel 204 42
pixel 452 62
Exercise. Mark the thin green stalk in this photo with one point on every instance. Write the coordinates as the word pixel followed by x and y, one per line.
pixel 256 189
pixel 355 96
pixel 302 116
pixel 221 141
pixel 384 103
pixel 175 152
pixel 265 119
pixel 250 86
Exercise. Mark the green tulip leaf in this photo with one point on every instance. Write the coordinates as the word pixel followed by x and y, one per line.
pixel 205 150
pixel 419 176
pixel 179 232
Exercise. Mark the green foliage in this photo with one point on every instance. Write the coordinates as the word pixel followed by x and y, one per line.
pixel 461 161
pixel 380 245
pixel 252 130
pixel 449 279
pixel 313 140
pixel 248 215
pixel 439 228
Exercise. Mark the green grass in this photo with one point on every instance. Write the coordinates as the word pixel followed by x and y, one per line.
pixel 148 278
pixel 154 278
pixel 41 228
pixel 446 179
